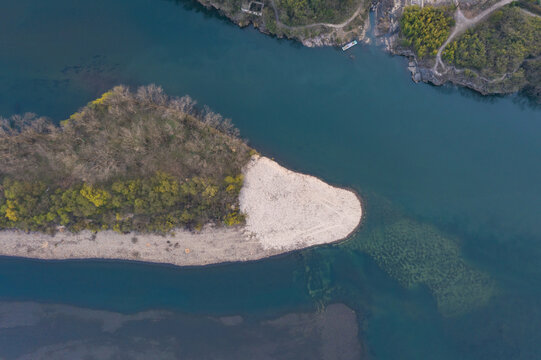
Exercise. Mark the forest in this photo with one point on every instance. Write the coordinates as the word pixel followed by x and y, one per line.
pixel 301 12
pixel 425 29
pixel 128 161
pixel 507 44
pixel 499 45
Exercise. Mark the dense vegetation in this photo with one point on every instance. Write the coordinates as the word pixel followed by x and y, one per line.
pixel 299 12
pixel 499 45
pixel 425 29
pixel 294 16
pixel 532 72
pixel 504 49
pixel 127 161
pixel 534 6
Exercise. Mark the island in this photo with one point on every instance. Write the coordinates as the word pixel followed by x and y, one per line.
pixel 147 177
pixel 490 46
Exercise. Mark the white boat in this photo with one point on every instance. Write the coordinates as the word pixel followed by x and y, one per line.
pixel 349 45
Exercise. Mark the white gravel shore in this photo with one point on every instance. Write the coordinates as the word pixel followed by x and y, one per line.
pixel 285 211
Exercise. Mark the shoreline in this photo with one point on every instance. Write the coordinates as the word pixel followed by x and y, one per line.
pixel 420 72
pixel 268 231
pixel 310 35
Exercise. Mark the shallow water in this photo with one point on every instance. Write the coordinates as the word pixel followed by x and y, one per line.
pixel 440 165
pixel 73 333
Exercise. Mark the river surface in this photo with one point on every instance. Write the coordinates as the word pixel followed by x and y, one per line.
pixel 453 179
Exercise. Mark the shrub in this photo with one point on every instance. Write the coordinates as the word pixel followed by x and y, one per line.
pixel 425 29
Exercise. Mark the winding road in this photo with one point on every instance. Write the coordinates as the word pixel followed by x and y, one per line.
pixel 462 24
pixel 300 27
pixel 530 13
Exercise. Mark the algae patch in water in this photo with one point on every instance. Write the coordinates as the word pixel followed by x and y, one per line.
pixel 317 276
pixel 414 253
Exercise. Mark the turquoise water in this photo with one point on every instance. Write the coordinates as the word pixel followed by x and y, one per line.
pixel 464 166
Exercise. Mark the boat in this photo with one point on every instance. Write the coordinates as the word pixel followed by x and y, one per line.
pixel 349 45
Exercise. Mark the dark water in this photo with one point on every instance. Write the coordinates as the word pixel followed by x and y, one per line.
pixel 446 175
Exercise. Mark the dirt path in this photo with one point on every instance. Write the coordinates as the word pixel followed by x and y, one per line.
pixel 530 13
pixel 462 24
pixel 503 76
pixel 300 27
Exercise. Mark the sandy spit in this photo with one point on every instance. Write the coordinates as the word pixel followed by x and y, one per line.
pixel 285 210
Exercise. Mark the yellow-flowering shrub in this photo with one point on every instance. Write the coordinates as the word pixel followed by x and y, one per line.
pixel 98 197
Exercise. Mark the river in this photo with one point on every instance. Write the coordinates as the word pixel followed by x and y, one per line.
pixel 434 165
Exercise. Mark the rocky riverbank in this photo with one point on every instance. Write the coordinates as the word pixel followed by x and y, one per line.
pixel 386 31
pixel 468 16
pixel 311 35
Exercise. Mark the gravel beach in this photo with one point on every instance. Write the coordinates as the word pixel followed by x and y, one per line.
pixel 285 211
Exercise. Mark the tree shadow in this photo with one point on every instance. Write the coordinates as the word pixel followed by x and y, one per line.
pixel 522 99
pixel 213 13
pixel 208 12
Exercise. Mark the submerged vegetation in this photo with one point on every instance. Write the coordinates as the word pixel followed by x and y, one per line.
pixel 425 29
pixel 318 278
pixel 126 161
pixel 416 254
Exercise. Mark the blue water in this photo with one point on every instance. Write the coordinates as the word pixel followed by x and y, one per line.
pixel 465 164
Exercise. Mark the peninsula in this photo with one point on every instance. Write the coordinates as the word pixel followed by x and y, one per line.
pixel 491 46
pixel 142 176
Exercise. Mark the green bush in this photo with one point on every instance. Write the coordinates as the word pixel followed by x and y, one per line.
pixel 425 29
pixel 158 204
